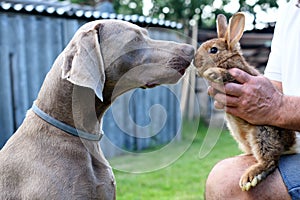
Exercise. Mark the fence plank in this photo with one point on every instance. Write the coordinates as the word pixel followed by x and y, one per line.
pixel 32 54
pixel 17 67
pixel 6 110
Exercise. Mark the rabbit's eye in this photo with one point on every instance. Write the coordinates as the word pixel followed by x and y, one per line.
pixel 213 50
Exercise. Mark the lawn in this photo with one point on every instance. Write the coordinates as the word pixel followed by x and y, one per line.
pixel 183 179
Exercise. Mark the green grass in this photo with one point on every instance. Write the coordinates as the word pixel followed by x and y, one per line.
pixel 183 179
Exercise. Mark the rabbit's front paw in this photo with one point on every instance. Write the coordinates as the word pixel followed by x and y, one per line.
pixel 255 174
pixel 249 180
pixel 218 75
pixel 213 75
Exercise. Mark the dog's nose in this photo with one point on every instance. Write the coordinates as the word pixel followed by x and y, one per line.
pixel 188 50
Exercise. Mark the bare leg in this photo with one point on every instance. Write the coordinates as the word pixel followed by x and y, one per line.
pixel 223 182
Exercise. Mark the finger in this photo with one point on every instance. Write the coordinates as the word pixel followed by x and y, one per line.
pixel 211 91
pixel 227 100
pixel 217 86
pixel 239 75
pixel 218 105
pixel 233 89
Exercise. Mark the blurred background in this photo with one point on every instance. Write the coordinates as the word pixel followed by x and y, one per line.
pixel 145 130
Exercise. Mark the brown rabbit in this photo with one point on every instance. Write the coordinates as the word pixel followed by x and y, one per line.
pixel 266 143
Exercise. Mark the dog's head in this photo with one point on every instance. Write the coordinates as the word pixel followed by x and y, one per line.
pixel 121 56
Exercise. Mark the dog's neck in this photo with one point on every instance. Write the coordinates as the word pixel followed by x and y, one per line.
pixel 72 105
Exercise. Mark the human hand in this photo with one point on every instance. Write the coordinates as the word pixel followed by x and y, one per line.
pixel 254 99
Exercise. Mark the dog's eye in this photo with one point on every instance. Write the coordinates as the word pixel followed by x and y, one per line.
pixel 213 50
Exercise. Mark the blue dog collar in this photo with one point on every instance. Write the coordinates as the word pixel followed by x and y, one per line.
pixel 65 127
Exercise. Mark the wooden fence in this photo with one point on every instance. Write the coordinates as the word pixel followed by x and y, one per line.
pixel 28 46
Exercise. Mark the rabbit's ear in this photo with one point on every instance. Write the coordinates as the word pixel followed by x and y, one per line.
pixel 221 25
pixel 235 29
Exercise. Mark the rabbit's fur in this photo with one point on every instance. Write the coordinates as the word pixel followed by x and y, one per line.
pixel 266 143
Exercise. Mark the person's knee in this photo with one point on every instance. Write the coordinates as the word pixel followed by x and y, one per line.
pixel 223 180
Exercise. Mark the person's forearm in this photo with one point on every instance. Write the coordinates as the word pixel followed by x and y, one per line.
pixel 288 114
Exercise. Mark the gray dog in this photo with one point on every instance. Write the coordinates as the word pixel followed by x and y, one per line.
pixel 45 158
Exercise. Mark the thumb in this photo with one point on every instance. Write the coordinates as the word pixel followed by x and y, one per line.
pixel 239 75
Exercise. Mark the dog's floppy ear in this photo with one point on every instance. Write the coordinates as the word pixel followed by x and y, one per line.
pixel 83 63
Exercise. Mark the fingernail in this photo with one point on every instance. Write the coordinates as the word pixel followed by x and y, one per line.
pixel 232 71
pixel 209 90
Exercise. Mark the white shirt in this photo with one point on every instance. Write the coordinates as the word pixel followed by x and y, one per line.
pixel 284 60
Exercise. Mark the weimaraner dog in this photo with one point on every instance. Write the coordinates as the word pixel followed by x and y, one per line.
pixel 55 153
